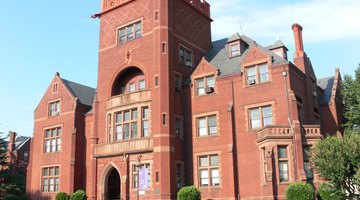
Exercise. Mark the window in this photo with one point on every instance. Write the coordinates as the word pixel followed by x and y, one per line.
pixel 179 127
pixel 257 74
pixel 260 117
pixel 185 56
pixel 234 50
pixel 283 164
pixel 52 140
pixel 207 125
pixel 180 175
pixel 50 179
pixel 205 85
pixel 177 82
pixel 135 177
pixel 142 85
pixel 130 32
pixel 145 122
pixel 54 108
pixel 307 166
pixel 55 88
pixel 264 163
pixel 26 156
pixel 209 170
pixel 131 87
pixel 126 125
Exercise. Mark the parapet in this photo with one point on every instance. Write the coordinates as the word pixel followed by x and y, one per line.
pixel 200 5
pixel 108 4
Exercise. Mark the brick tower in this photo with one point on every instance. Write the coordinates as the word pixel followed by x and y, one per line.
pixel 147 49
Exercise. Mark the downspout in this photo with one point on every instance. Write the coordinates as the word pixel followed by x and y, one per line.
pixel 284 73
pixel 237 189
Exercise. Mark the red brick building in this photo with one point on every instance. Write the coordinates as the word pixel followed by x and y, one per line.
pixel 172 108
pixel 18 149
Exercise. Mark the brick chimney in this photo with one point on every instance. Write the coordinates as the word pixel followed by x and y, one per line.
pixel 12 136
pixel 299 46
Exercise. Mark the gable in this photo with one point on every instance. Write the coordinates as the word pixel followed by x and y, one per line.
pixel 255 56
pixel 204 68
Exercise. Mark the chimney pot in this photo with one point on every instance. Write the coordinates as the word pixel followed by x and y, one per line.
pixel 299 46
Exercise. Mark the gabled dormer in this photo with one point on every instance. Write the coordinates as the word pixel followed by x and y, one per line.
pixel 279 49
pixel 236 45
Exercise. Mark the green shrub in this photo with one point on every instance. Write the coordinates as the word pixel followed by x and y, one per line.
pixel 327 192
pixel 300 191
pixel 78 195
pixel 189 193
pixel 10 197
pixel 62 196
pixel 23 197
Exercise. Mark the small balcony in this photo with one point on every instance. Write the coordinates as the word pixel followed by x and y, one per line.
pixel 274 132
pixel 311 131
pixel 119 148
pixel 130 98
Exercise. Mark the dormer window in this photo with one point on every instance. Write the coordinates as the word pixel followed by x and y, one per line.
pixel 234 49
pixel 257 74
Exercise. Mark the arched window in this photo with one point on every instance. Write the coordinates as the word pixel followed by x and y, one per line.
pixel 129 80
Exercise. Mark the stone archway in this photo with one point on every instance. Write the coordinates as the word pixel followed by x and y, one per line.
pixel 113 185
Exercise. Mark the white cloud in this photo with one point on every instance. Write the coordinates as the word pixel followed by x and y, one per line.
pixel 322 20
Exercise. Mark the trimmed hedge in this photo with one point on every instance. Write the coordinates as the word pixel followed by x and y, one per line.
pixel 300 191
pixel 326 192
pixel 10 197
pixel 189 193
pixel 62 196
pixel 78 195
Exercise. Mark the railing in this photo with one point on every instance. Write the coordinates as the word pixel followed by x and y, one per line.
pixel 125 99
pixel 311 131
pixel 119 148
pixel 274 132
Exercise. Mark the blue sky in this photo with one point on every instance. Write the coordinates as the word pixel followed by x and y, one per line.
pixel 39 38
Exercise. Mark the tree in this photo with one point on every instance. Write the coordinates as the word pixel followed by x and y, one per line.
pixel 351 97
pixel 337 160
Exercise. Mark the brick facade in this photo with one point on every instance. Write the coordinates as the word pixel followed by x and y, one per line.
pixel 230 121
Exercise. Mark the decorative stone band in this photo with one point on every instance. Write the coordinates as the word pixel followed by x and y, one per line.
pixel 119 148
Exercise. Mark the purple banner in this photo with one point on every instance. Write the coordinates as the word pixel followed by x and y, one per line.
pixel 143 178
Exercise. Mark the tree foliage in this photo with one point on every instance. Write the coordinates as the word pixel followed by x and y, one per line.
pixel 189 193
pixel 351 97
pixel 78 195
pixel 337 160
pixel 326 191
pixel 300 191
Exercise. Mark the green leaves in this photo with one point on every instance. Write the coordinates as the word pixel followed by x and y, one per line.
pixel 300 191
pixel 337 160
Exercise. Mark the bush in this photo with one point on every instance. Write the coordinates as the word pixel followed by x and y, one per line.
pixel 78 195
pixel 23 197
pixel 327 192
pixel 10 197
pixel 189 193
pixel 62 196
pixel 300 191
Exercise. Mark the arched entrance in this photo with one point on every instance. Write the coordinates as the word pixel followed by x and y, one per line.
pixel 113 185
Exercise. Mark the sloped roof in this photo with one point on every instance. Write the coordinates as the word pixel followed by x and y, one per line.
pixel 219 55
pixel 276 45
pixel 20 140
pixel 84 93
pixel 326 84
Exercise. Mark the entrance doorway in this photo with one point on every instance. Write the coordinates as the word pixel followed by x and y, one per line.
pixel 113 185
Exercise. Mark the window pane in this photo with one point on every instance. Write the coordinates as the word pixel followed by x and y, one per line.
pixel 46 172
pixel 210 81
pixel 138 30
pixel 130 32
pixel 214 160
pixel 51 184
pixel 204 178
pixel 267 115
pixel 47 133
pixel 132 87
pixel 234 50
pixel 212 125
pixel 119 132
pixel 282 152
pixel 127 116
pixel 145 128
pixel 134 115
pixel 118 117
pixel 59 131
pixel 255 118
pixel 306 153
pixel 263 73
pixel 204 162
pixel 126 131
pixel 283 171
pixel 215 180
pixel 202 126
pixel 58 143
pixel 56 171
pixel 45 188
pixel 134 130
pixel 142 85
pixel 47 146
pixel 251 74
pixel 145 113
pixel 53 145
pixel 52 171
pixel 53 132
pixel 200 86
